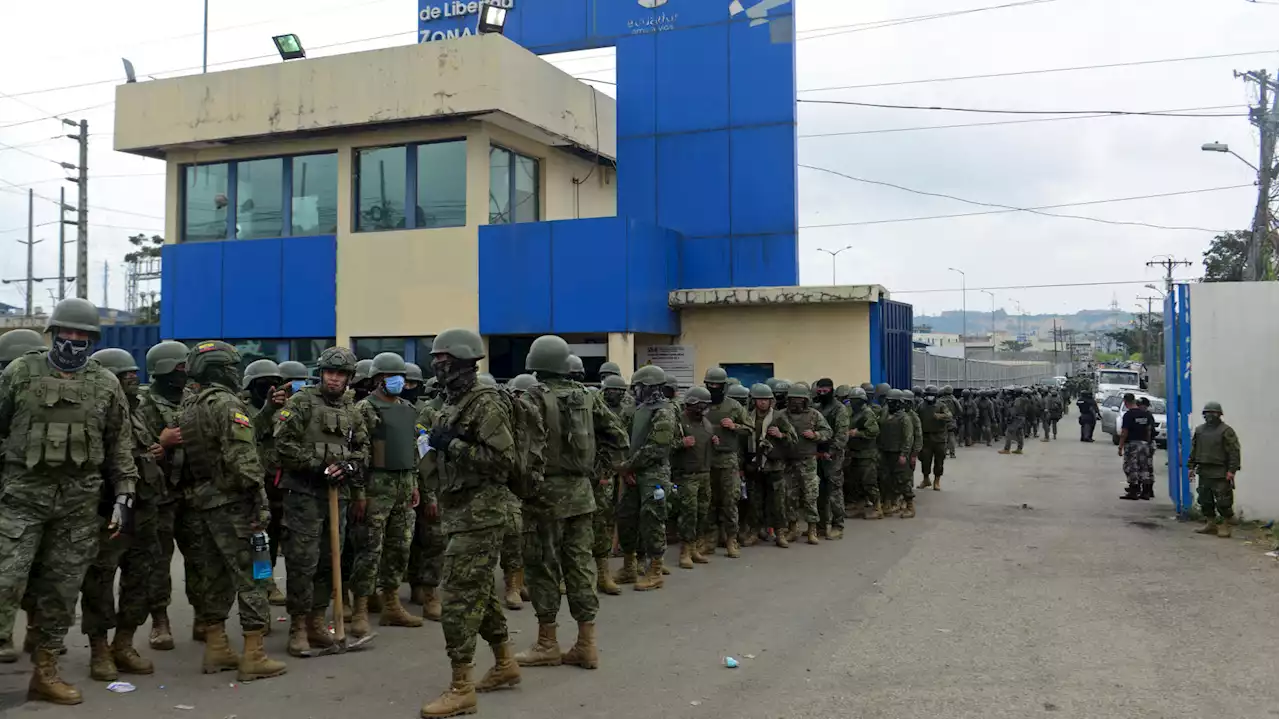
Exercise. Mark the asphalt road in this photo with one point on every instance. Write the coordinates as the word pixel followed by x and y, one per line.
pixel 1024 588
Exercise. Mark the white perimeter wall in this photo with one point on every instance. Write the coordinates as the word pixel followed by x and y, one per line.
pixel 1235 359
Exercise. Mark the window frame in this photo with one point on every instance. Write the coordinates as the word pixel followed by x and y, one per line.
pixel 233 192
pixel 410 185
pixel 511 184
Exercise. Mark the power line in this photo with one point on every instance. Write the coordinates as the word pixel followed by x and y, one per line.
pixel 893 22
pixel 19 148
pixel 1036 287
pixel 1013 112
pixel 59 116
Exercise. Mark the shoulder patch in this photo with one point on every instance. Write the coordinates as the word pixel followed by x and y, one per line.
pixel 283 414
pixel 239 417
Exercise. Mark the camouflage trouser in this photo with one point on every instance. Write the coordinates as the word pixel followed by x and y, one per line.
pixel 862 482
pixel 45 551
pixel 932 457
pixel 186 535
pixel 602 522
pixel 380 544
pixel 831 491
pixel 1215 496
pixel 227 564
pixel 1016 429
pixel 642 519
pixel 309 585
pixel 985 432
pixel 562 552
pixel 767 492
pixel 513 546
pixel 98 590
pixel 427 553
pixel 802 490
pixel 1137 465
pixel 692 505
pixel 889 476
pixel 470 602
pixel 141 561
pixel 726 491
pixel 1034 424
pixel 160 582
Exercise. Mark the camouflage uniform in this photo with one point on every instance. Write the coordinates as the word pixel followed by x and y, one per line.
pixel 1215 453
pixel 831 462
pixel 862 481
pixel 935 417
pixel 896 442
pixel 426 554
pixel 766 467
pixel 691 477
pixel 1018 410
pixel 1053 413
pixel 948 398
pixel 725 479
pixel 985 418
pixel 606 492
pixel 802 463
pixel 642 508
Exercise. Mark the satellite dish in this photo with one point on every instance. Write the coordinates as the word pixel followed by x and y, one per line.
pixel 129 75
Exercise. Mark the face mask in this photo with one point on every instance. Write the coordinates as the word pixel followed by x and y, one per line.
pixel 297 385
pixel 930 398
pixel 129 385
pixel 454 375
pixel 613 397
pixel 795 405
pixel 825 397
pixel 394 385
pixel 258 392
pixel 411 394
pixel 695 410
pixel 69 355
pixel 1212 418
pixel 717 393
pixel 857 404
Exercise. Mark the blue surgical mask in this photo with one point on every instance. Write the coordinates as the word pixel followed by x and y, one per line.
pixel 394 384
pixel 297 385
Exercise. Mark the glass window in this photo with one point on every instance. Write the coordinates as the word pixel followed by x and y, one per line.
pixel 442 184
pixel 524 192
pixel 499 186
pixel 315 195
pixel 367 347
pixel 380 188
pixel 259 198
pixel 308 351
pixel 422 350
pixel 205 203
pixel 251 350
pixel 513 187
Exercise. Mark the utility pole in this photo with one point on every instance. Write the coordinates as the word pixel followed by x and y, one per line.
pixel 62 243
pixel 106 279
pixel 31 246
pixel 82 207
pixel 1168 263
pixel 1265 116
pixel 1148 335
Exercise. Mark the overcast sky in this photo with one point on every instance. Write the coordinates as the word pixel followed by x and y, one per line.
pixel 1031 164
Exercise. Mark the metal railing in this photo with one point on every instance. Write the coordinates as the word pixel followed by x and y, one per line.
pixel 929 369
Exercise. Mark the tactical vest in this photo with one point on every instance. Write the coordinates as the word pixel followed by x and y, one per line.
pixel 329 430
pixel 729 441
pixel 805 421
pixel 830 412
pixel 696 459
pixel 859 445
pixel 929 422
pixel 394 441
pixel 56 423
pixel 890 438
pixel 202 435
pixel 571 438
pixel 170 415
pixel 1209 445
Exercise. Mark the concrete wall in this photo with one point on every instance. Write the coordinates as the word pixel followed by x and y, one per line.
pixel 804 342
pixel 1235 343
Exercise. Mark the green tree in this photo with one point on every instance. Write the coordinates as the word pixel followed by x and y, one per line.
pixel 147 248
pixel 1224 261
pixel 1014 345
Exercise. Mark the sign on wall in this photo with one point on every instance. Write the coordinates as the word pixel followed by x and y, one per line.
pixel 675 360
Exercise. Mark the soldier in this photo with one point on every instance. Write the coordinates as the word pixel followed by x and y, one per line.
pixel 948 398
pixel 296 374
pixel 732 426
pixel 383 529
pixel 1018 411
pixel 321 441
pixel 741 394
pixel 1053 413
pixel 969 417
pixel 802 465
pixel 1215 456
pixel 521 536
pixel 1088 420
pixel 1035 410
pixel 412 384
pixel 361 380
pixel 771 437
pixel 609 369
pixel 895 442
pixel 864 432
pixel 985 417
pixel 67 418
pixel 264 394
pixel 474 451
pixel 780 390
pixel 426 556
pixel 909 408
pixel 691 475
pixel 831 461
pixel 646 481
pixel 614 389
pixel 229 504
pixel 564 506
pixel 935 417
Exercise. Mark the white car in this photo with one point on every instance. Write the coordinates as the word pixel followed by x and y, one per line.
pixel 1113 417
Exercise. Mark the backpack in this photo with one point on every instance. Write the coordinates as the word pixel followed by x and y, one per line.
pixel 530 441
pixel 570 431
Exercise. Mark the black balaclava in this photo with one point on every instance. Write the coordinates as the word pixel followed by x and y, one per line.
pixel 648 394
pixel 69 355
pixel 455 375
pixel 227 375
pixel 171 384
pixel 825 398
pixel 411 394
pixel 717 391
pixel 129 383
pixel 259 390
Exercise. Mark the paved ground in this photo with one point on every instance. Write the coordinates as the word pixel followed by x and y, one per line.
pixel 1025 588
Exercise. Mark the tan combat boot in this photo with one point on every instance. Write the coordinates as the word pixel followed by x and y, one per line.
pixel 102 667
pixel 1210 527
pixel 126 657
pixel 348 605
pixel 360 617
pixel 1224 529
pixel 504 672
pixel 811 533
pixel 458 699
pixel 255 664
pixel 937 483
pixel 707 548
pixel 604 582
pixel 652 578
pixel 161 638
pixel 545 652
pixel 909 509
pixel 46 685
pixel 686 556
pixel 924 483
pixel 275 597
pixel 1003 451
pixel 835 533
pixel 197 631
pixel 875 512
pixel 780 539
pixel 628 574
pixel 432 609
pixel 1017 451
pixel 793 531
pixel 732 551
pixel 583 653
pixel 749 539
pixel 511 598
pixel 394 613
pixel 418 594
pixel 298 644
pixel 318 634
pixel 218 656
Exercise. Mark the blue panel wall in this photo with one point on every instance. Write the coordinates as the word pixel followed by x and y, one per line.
pixel 585 297
pixel 652 262
pixel 251 291
pixel 189 301
pixel 134 339
pixel 309 303
pixel 706 262
pixel 895 326
pixel 515 279
pixel 876 342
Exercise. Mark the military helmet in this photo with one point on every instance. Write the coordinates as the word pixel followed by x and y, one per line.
pixel 738 392
pixel 882 389
pixel 387 363
pixel 610 368
pixel 74 313
pixel 799 389
pixel 734 381
pixel 15 343
pixel 459 343
pixel 946 389
pixel 486 379
pixel 697 395
pixel 116 360
pixel 521 383
pixel 1212 406
pixel 649 376
pixel 858 393
pixel 917 390
pixel 294 370
pixel 761 391
pixel 207 355
pixel 575 365
pixel 672 382
pixel 335 358
pixel 931 389
pixel 782 387
pixel 549 353
pixel 868 388
pixel 412 372
pixel 715 375
pixel 965 393
pixel 893 394
pixel 363 371
pixel 260 369
pixel 842 392
pixel 612 381
pixel 771 383
pixel 165 357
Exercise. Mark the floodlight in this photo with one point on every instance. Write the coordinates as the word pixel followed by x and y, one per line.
pixel 492 18
pixel 289 47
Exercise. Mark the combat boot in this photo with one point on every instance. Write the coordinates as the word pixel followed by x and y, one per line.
pixel 793 531
pixel 432 609
pixel 511 598
pixel 708 547
pixel 545 652
pixel 732 551
pixel 8 652
pixel 418 594
pixel 583 653
pixel 161 638
pixel 811 534
pixel 347 605
pixel 937 483
pixel 1224 530
pixel 218 656
pixel 102 667
pixel 1004 451
pixel 255 664
pixel 604 582
pixel 298 644
pixel 360 617
pixel 696 553
pixel 504 672
pixel 748 540
pixel 126 657
pixel 46 685
pixel 375 605
pixel 458 699
pixel 197 631
pixel 780 539
pixel 835 533
pixel 652 578
pixel 686 556
pixel 628 574
pixel 909 509
pixel 318 634
pixel 1018 451
pixel 1210 527
pixel 874 511
pixel 393 612
pixel 275 597
pixel 924 482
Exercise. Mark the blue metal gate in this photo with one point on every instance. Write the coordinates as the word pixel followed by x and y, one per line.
pixel 1177 382
pixel 891 325
pixel 134 339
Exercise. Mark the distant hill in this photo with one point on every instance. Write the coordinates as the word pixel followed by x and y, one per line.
pixel 952 322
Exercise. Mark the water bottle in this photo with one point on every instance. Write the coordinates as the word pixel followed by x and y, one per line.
pixel 658 493
pixel 261 555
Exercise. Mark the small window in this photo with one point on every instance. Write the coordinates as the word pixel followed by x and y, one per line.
pixel 369 347
pixel 315 195
pixel 205 203
pixel 442 185
pixel 423 353
pixel 259 198
pixel 513 187
pixel 308 351
pixel 381 173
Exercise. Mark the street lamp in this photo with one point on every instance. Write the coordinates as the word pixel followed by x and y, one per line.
pixel 833 254
pixel 289 47
pixel 1022 327
pixel 1223 147
pixel 992 295
pixel 493 17
pixel 964 322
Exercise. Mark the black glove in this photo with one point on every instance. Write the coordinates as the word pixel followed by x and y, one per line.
pixel 440 439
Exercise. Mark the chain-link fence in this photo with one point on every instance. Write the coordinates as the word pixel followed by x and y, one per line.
pixel 929 369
